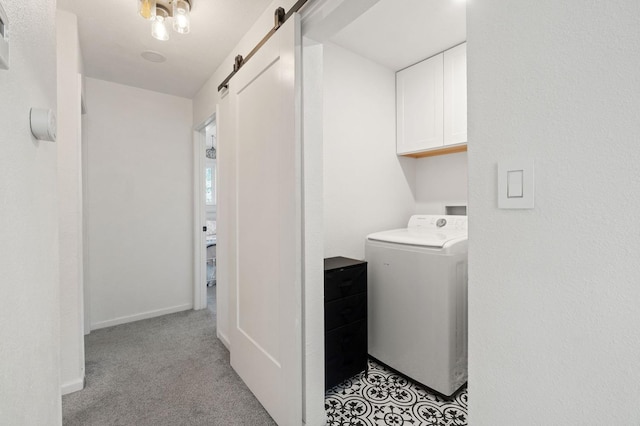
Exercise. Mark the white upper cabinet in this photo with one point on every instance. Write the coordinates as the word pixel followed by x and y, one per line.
pixel 419 92
pixel 455 95
pixel 432 103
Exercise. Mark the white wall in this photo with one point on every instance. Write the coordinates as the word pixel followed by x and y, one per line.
pixel 70 203
pixel 140 207
pixel 553 291
pixel 441 181
pixel 29 306
pixel 367 188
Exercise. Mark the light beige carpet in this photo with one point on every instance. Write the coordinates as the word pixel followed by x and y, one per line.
pixel 170 370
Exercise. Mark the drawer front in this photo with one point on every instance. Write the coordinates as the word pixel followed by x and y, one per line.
pixel 344 311
pixel 344 282
pixel 345 352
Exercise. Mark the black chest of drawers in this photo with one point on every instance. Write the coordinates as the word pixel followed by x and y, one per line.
pixel 345 319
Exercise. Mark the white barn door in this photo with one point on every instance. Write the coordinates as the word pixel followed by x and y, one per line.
pixel 265 306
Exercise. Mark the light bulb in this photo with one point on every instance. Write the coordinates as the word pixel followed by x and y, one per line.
pixel 147 8
pixel 158 29
pixel 181 19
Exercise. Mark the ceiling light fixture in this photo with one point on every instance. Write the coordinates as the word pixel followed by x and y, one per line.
pixel 211 152
pixel 158 28
pixel 181 19
pixel 160 11
pixel 147 8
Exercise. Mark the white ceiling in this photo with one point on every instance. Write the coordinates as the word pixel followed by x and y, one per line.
pixel 399 33
pixel 112 36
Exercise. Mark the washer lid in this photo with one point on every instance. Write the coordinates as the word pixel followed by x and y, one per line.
pixel 418 238
pixel 427 231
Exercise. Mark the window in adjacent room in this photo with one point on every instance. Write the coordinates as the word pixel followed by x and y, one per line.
pixel 210 184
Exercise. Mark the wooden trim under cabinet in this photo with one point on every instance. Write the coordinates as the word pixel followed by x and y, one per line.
pixel 439 151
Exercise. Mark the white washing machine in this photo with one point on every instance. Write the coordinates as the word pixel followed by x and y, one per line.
pixel 417 300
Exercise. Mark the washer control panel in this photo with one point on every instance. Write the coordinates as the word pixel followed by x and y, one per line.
pixel 444 222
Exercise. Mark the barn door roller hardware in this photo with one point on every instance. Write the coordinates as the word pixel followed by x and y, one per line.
pixel 280 17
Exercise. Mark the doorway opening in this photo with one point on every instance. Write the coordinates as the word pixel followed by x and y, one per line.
pixel 210 196
pixel 205 207
pixel 415 61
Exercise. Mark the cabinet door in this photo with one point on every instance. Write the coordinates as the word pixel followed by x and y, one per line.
pixel 455 95
pixel 419 93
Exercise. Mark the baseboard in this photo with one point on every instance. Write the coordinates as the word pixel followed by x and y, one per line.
pixel 72 386
pixel 224 339
pixel 140 316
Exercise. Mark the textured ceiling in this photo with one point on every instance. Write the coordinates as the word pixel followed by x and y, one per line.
pixel 112 36
pixel 399 33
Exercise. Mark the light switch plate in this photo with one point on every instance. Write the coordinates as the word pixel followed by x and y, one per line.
pixel 515 184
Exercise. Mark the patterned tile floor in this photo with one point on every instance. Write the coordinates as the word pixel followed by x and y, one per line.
pixel 385 398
